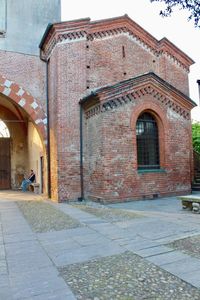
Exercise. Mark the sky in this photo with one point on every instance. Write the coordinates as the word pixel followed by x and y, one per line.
pixel 176 28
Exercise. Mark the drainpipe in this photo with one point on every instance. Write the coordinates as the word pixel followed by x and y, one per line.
pixel 48 131
pixel 81 154
pixel 48 128
pixel 198 82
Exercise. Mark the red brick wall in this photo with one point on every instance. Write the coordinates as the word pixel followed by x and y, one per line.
pixel 69 73
pixel 110 165
pixel 28 71
pixel 119 57
pixel 53 123
pixel 174 74
pixel 111 162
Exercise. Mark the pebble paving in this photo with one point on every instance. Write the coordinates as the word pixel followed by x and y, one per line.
pixel 189 245
pixel 126 277
pixel 75 247
pixel 43 217
pixel 109 214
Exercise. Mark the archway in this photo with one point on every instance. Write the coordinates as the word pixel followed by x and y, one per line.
pixel 26 121
pixel 27 102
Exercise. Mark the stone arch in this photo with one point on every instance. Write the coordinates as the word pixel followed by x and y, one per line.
pixel 27 102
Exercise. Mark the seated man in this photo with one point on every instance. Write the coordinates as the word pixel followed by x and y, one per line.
pixel 28 181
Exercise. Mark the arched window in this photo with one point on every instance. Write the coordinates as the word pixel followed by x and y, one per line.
pixel 147 142
pixel 4 132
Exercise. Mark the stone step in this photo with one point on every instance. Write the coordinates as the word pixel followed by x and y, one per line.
pixel 196 184
pixel 195 188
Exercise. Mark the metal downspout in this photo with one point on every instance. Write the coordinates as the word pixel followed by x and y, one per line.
pixel 48 130
pixel 81 154
pixel 198 82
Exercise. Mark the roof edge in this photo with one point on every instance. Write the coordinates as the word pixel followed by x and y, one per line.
pixel 125 21
pixel 139 78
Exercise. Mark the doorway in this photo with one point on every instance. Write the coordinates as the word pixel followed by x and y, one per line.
pixel 5 171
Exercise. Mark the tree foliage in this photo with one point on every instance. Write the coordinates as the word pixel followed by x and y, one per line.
pixel 193 6
pixel 196 136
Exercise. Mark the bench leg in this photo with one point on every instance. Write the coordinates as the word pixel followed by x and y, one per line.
pixel 186 204
pixel 196 207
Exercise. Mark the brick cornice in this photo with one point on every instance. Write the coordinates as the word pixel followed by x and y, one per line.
pixel 85 29
pixel 59 32
pixel 127 91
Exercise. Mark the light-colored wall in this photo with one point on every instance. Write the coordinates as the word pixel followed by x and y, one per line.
pixel 35 152
pixel 25 22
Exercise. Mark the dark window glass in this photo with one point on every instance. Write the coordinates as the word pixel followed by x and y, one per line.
pixel 147 142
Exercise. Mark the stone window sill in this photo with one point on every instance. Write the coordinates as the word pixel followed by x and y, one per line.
pixel 143 171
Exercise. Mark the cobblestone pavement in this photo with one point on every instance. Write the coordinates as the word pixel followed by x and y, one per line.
pixel 139 250
pixel 41 216
pixel 190 245
pixel 125 276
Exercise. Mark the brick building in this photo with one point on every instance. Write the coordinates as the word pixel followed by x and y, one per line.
pixel 109 107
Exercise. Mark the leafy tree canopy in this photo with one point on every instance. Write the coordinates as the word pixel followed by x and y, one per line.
pixel 196 136
pixel 193 6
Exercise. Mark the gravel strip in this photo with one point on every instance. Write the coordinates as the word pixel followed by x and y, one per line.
pixel 43 217
pixel 109 214
pixel 190 245
pixel 125 277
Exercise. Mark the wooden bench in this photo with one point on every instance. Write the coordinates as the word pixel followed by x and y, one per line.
pixel 191 202
pixel 34 187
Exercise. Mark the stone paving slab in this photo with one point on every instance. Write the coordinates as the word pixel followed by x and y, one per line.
pixel 63 234
pixel 91 239
pixel 4 282
pixel 192 278
pixel 180 267
pixel 23 248
pixel 18 237
pixel 6 294
pixel 38 287
pixel 82 216
pixel 27 271
pixel 109 230
pixel 29 260
pixel 140 244
pixel 54 248
pixel 3 267
pixel 86 253
pixel 1 240
pixel 59 295
pixel 168 258
pixel 153 251
pixel 2 252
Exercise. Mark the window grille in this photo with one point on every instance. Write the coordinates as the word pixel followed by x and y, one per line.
pixel 147 142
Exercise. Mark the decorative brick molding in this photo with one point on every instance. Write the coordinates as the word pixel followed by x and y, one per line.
pixel 90 31
pixel 115 102
pixel 27 103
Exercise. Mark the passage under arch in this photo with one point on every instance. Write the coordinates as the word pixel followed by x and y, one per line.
pixel 4 131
